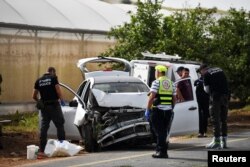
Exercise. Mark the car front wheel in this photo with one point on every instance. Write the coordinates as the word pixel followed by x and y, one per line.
pixel 90 142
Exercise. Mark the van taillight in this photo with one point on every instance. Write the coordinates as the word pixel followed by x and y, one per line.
pixel 108 69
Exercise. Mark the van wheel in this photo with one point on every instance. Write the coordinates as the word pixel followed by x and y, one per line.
pixel 90 142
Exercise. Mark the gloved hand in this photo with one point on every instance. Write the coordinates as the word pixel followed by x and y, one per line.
pixel 62 103
pixel 147 114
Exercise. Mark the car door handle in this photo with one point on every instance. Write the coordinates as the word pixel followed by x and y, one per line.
pixel 192 108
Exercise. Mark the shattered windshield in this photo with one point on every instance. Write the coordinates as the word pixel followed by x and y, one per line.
pixel 121 87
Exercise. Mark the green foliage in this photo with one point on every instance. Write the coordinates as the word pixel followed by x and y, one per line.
pixel 231 50
pixel 205 35
pixel 141 34
pixel 21 122
pixel 186 33
pixel 247 108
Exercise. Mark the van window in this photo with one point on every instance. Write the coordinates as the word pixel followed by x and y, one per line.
pixel 184 91
pixel 151 76
pixel 198 74
pixel 173 76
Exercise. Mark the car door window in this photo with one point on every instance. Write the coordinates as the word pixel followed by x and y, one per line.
pixel 184 90
pixel 85 93
pixel 80 89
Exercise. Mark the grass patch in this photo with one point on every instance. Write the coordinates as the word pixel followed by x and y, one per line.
pixel 247 108
pixel 239 115
pixel 244 110
pixel 21 122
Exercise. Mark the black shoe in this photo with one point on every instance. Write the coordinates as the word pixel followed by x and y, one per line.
pixel 160 155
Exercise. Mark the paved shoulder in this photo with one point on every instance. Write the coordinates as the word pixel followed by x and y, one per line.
pixel 182 152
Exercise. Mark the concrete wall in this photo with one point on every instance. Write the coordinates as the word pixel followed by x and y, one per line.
pixel 23 58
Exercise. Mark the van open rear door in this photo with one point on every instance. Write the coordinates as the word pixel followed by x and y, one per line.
pixel 141 71
pixel 145 69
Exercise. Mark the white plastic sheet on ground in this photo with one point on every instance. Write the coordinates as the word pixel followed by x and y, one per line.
pixel 55 148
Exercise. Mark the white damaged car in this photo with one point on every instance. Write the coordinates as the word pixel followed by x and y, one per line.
pixel 108 108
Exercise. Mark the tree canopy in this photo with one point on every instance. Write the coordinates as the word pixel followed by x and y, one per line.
pixel 205 35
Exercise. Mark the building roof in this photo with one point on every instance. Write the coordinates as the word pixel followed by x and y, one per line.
pixel 83 15
pixel 219 4
pixel 133 9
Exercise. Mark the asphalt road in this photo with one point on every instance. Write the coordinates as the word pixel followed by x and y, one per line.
pixel 182 153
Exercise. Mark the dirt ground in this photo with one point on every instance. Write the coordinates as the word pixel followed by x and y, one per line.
pixel 15 145
pixel 14 151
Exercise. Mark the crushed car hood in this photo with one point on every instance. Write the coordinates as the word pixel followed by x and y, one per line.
pixel 138 100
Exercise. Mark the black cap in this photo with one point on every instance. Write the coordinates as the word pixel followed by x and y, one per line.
pixel 180 69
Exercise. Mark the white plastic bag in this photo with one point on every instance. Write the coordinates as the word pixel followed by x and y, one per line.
pixel 55 148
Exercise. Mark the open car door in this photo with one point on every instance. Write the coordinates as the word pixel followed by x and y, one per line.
pixel 73 115
pixel 186 117
pixel 82 64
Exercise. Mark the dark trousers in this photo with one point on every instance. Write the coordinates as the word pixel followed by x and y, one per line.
pixel 51 112
pixel 219 110
pixel 203 105
pixel 161 121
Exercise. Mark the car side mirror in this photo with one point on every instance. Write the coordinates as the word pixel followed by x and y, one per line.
pixel 73 103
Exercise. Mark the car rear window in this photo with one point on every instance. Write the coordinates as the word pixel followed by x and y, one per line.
pixel 121 87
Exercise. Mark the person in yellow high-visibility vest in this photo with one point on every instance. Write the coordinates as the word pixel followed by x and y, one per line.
pixel 160 109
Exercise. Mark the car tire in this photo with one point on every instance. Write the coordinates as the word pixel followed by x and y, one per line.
pixel 90 142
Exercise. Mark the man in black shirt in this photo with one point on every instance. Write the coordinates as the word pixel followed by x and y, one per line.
pixel 203 106
pixel 215 83
pixel 49 89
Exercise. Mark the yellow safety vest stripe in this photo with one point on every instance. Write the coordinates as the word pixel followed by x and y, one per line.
pixel 165 91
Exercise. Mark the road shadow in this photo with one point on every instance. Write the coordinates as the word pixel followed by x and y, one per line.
pixel 151 147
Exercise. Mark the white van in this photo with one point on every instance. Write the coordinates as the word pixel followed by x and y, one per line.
pixel 186 112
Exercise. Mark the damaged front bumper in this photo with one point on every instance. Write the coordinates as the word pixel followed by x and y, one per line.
pixel 125 133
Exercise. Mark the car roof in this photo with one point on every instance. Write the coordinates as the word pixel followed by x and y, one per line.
pixel 108 79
